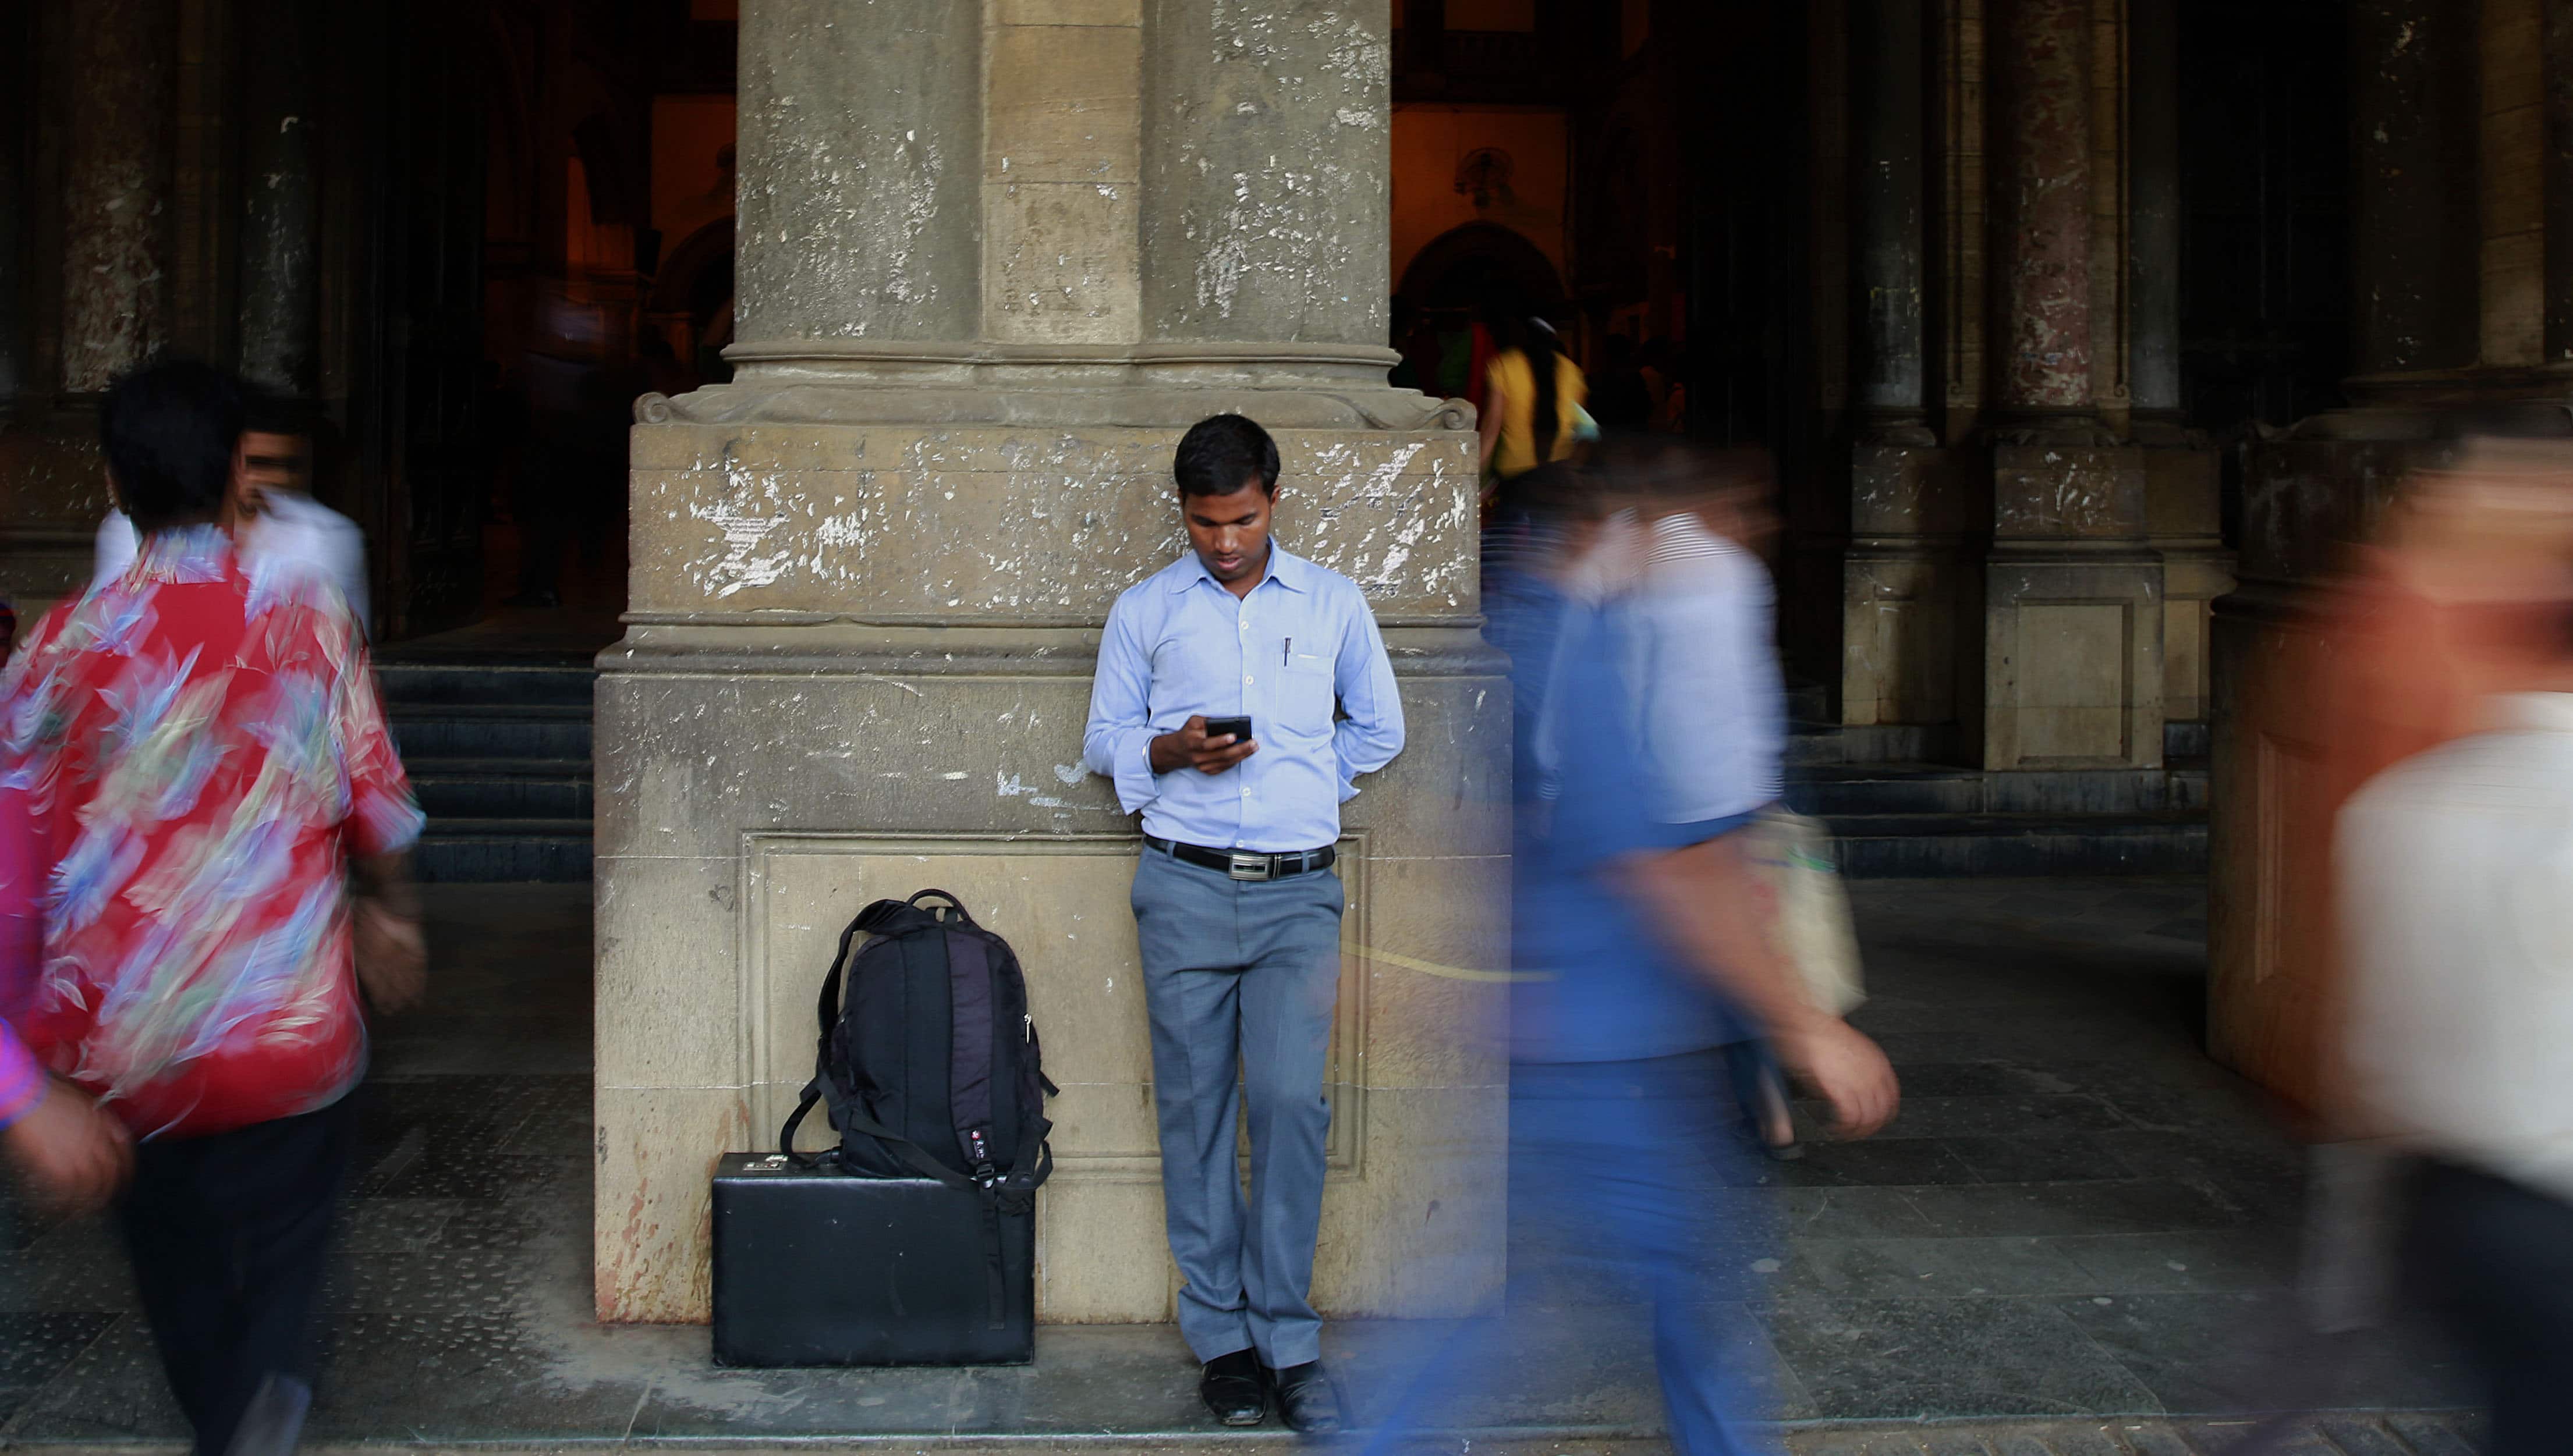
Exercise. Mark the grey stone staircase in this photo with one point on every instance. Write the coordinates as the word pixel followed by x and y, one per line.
pixel 498 751
pixel 1896 809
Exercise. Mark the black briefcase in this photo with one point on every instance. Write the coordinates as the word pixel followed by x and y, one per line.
pixel 816 1267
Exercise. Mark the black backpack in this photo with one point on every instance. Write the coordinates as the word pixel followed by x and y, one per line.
pixel 932 1068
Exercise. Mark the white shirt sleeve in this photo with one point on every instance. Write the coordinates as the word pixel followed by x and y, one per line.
pixel 118 545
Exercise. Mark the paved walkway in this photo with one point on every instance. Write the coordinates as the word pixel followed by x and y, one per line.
pixel 2077 1237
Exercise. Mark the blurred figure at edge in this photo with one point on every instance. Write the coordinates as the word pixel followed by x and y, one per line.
pixel 1641 951
pixel 206 768
pixel 275 517
pixel 2451 1004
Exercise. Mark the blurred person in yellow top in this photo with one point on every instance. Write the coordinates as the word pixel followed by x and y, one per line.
pixel 1532 396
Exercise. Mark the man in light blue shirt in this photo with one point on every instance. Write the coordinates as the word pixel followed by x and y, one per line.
pixel 1237 910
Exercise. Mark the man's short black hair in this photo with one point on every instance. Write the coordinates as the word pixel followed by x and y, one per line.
pixel 1221 452
pixel 169 429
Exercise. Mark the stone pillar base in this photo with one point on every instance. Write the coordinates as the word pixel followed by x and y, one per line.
pixel 2183 511
pixel 859 666
pixel 1908 587
pixel 2073 659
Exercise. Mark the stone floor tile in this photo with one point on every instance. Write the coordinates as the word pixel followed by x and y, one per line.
pixel 2433 1435
pixel 1924 1268
pixel 1923 1359
pixel 35 1348
pixel 484 1175
pixel 2135 1205
pixel 2362 1437
pixel 112 1391
pixel 2010 1116
pixel 2046 1157
pixel 2224 1354
pixel 394 1225
pixel 1876 1163
pixel 2212 1261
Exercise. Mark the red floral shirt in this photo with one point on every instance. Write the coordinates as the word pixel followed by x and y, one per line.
pixel 203 749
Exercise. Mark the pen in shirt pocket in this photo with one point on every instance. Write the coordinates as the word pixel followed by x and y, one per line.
pixel 1285 649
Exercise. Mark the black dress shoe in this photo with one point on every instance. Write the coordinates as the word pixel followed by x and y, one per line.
pixel 1232 1389
pixel 1306 1398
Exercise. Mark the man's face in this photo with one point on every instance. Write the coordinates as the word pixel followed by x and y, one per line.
pixel 270 463
pixel 1229 533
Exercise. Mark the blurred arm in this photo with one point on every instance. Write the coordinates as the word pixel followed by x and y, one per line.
pixel 1709 904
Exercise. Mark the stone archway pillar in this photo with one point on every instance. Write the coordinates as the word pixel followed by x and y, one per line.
pixel 2072 622
pixel 117 222
pixel 281 225
pixel 1908 579
pixel 993 259
pixel 2415 290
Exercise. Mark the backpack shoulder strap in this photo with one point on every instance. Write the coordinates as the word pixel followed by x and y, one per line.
pixel 972 1029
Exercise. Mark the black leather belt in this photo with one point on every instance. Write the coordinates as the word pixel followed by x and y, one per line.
pixel 1247 864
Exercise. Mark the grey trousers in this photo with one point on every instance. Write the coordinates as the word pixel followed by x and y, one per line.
pixel 1240 980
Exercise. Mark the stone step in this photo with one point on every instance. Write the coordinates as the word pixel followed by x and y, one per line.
pixel 493 851
pixel 487 731
pixel 1921 788
pixel 486 685
pixel 503 788
pixel 1932 846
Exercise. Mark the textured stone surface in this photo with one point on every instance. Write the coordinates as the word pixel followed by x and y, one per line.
pixel 984 525
pixel 2073 662
pixel 1267 196
pixel 2040 78
pixel 861 151
pixel 117 219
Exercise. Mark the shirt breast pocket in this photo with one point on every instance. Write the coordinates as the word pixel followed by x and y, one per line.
pixel 1305 701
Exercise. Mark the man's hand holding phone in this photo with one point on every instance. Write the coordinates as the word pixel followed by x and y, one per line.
pixel 1207 744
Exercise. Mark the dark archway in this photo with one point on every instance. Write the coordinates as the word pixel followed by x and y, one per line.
pixel 1464 266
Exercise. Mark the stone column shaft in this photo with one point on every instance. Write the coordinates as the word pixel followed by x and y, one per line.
pixel 2152 130
pixel 2416 263
pixel 281 244
pixel 1245 238
pixel 2041 117
pixel 2073 598
pixel 116 204
pixel 2559 180
pixel 17 118
pixel 1889 187
pixel 861 157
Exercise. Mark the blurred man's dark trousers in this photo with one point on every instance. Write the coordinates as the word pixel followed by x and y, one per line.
pixel 2496 1259
pixel 228 1235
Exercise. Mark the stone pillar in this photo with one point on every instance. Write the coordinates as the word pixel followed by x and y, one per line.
pixel 2559 180
pixel 280 255
pixel 861 149
pixel 994 259
pixel 2182 477
pixel 17 118
pixel 1888 364
pixel 2415 246
pixel 1906 581
pixel 116 206
pixel 2073 619
pixel 2416 257
pixel 2153 169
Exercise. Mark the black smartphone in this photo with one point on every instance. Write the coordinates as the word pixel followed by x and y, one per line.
pixel 1239 728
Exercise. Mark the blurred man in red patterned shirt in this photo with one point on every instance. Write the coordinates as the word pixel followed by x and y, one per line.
pixel 206 768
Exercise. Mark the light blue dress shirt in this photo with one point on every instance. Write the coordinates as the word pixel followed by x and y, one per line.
pixel 1300 655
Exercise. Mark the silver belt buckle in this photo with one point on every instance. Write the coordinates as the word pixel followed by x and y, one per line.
pixel 1248 866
